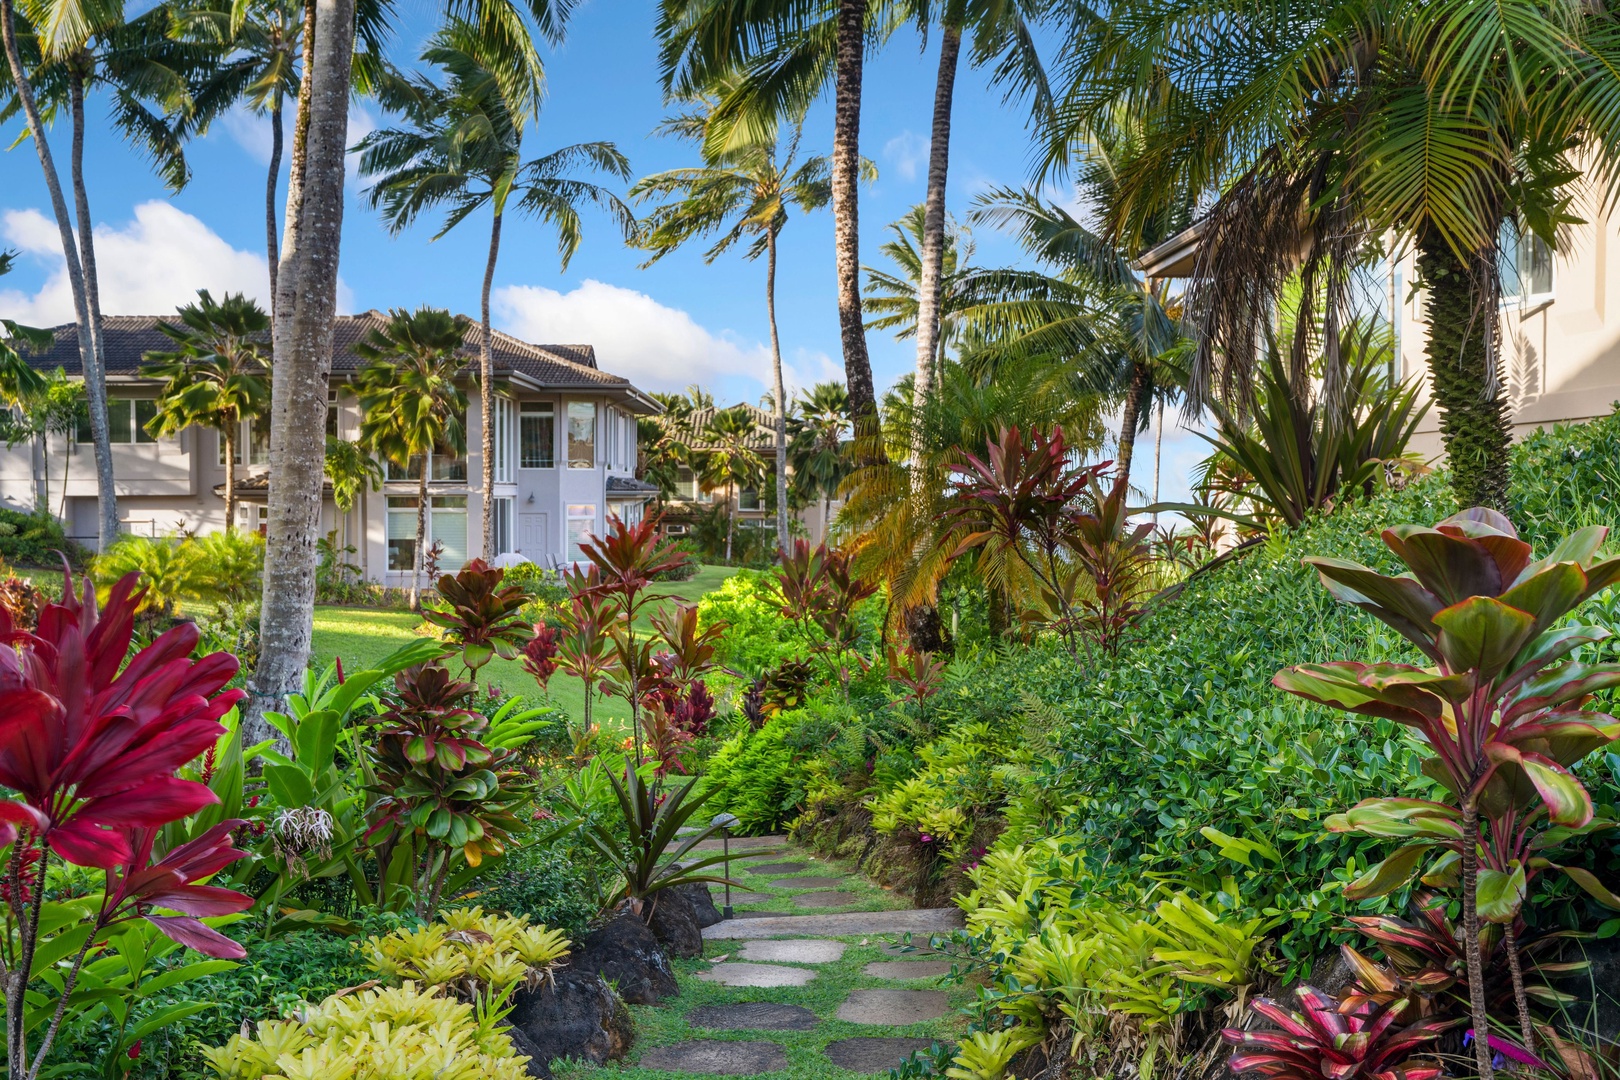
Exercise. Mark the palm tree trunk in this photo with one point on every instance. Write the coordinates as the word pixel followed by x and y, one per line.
pixel 846 171
pixel 421 538
pixel 228 434
pixel 933 238
pixel 306 302
pixel 1462 370
pixel 486 395
pixel 1136 399
pixel 42 488
pixel 781 394
pixel 271 182
pixel 64 224
pixel 731 520
pixel 95 381
pixel 1158 455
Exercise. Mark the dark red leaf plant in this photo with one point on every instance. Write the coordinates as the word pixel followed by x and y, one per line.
pixel 1017 508
pixel 583 648
pixel 481 617
pixel 91 745
pixel 629 559
pixel 820 591
pixel 1502 706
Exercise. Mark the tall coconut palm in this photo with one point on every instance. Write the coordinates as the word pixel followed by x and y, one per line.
pixel 217 378
pixel 1000 31
pixel 305 309
pixel 742 193
pixel 1441 123
pixel 819 449
pixel 260 46
pixel 730 460
pixel 462 150
pixel 786 52
pixel 893 298
pixel 410 405
pixel 55 60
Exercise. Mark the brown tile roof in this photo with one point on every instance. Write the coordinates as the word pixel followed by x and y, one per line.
pixel 764 425
pixel 128 338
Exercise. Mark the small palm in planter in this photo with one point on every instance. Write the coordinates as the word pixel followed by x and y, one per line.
pixel 1502 711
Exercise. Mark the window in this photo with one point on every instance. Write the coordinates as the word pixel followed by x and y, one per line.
pixel 1525 265
pixel 748 499
pixel 686 484
pixel 443 465
pixel 252 443
pixel 581 524
pixel 401 532
pixel 504 511
pixel 537 435
pixel 503 438
pixel 581 435
pixel 126 421
pixel 331 414
pixel 447 526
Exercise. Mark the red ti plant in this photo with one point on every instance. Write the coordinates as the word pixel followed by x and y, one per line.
pixel 484 620
pixel 1115 555
pixel 691 647
pixel 818 588
pixel 91 745
pixel 918 672
pixel 540 654
pixel 1501 709
pixel 1018 507
pixel 1331 1042
pixel 582 651
pixel 629 559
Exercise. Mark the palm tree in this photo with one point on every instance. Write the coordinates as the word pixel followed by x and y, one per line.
pixel 819 450
pixel 740 193
pixel 410 405
pixel 218 377
pixel 730 460
pixel 1001 32
pixel 260 45
pixel 893 298
pixel 351 470
pixel 1092 315
pixel 305 308
pixel 785 53
pixel 1439 123
pixel 73 51
pixel 462 149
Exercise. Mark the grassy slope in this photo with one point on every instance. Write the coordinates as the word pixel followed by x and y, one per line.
pixel 363 636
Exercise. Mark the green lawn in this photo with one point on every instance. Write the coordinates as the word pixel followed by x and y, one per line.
pixel 362 636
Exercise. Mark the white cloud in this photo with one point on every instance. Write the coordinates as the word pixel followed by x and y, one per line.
pixel 146 266
pixel 906 152
pixel 654 346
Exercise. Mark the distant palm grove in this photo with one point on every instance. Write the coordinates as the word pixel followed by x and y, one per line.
pixel 386 697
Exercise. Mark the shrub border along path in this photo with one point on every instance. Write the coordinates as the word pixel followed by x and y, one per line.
pixel 665 1026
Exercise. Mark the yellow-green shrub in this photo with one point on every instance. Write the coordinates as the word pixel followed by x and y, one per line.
pixel 471 952
pixel 964 774
pixel 395 1033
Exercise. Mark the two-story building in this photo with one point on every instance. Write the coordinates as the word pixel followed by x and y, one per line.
pixel 565 456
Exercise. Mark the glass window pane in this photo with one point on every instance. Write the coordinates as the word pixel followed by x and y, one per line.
pixel 258 442
pixel 145 413
pixel 581 435
pixel 411 471
pixel 449 529
pixel 1536 267
pixel 119 420
pixel 581 524
pixel 537 435
pixel 401 533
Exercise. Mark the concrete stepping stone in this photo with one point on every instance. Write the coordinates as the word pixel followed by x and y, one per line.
pixel 867 1055
pixel 907 969
pixel 915 949
pixel 807 883
pixel 778 868
pixel 752 1016
pixel 732 973
pixel 769 924
pixel 826 899
pixel 741 897
pixel 717 1058
pixel 740 843
pixel 808 951
pixel 893 1008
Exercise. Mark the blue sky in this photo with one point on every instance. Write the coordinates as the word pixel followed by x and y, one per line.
pixel 677 322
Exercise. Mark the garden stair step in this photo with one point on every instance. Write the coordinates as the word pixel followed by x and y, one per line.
pixel 922 921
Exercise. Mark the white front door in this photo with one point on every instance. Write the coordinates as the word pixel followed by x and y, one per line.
pixel 533 536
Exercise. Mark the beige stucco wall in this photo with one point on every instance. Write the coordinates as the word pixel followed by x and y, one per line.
pixel 1560 354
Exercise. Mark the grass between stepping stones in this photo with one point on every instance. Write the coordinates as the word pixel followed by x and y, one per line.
pixel 665 1024
pixel 871 897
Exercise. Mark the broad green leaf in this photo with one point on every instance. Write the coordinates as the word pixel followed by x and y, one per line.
pixel 1387 876
pixel 289 785
pixel 1565 797
pixel 1500 895
pixel 1482 634
pixel 316 740
pixel 1549 595
pixel 1593 887
pixel 1399 818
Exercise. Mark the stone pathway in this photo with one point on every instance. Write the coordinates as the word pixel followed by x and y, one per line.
pixel 821 994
